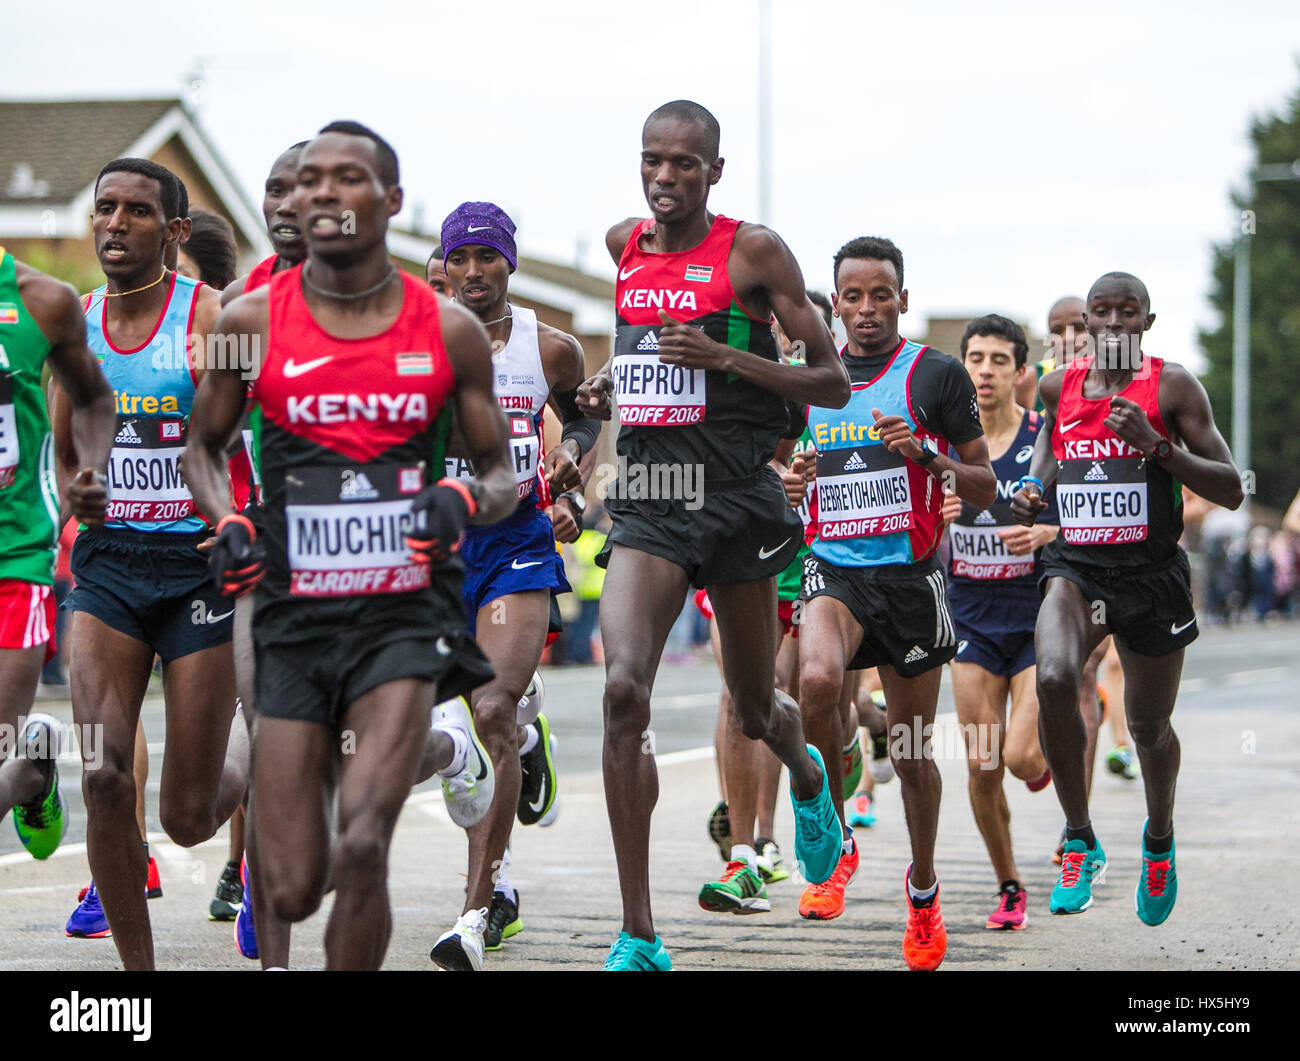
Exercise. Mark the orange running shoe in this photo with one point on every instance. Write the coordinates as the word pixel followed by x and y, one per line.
pixel 822 902
pixel 926 940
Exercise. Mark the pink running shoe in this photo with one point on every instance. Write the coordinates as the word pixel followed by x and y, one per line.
pixel 1012 912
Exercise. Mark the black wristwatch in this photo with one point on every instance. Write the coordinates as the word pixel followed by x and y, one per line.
pixel 578 502
pixel 1162 450
pixel 929 450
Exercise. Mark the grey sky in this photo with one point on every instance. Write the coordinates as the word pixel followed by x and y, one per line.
pixel 1013 152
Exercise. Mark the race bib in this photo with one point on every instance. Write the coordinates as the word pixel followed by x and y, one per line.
pixel 652 394
pixel 525 457
pixel 10 452
pixel 1103 502
pixel 978 552
pixel 863 492
pixel 345 530
pixel 144 472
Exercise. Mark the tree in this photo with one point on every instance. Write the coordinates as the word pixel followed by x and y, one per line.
pixel 1272 211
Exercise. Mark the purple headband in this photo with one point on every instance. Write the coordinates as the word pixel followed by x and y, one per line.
pixel 483 223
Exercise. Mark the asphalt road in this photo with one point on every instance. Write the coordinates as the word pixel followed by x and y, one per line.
pixel 1237 719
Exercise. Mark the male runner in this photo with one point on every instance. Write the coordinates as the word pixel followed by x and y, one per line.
pixel 1126 430
pixel 512 568
pixel 142 585
pixel 359 613
pixel 875 594
pixel 40 322
pixel 992 587
pixel 435 272
pixel 704 398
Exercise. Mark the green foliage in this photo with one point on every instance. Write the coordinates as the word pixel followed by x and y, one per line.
pixel 83 277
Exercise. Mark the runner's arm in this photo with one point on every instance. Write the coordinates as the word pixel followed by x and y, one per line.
pixel 1027 503
pixel 1206 465
pixel 565 368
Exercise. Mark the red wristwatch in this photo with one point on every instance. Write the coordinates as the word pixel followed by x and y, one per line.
pixel 1162 450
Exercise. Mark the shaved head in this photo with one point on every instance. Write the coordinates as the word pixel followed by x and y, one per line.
pixel 1068 304
pixel 683 110
pixel 1122 283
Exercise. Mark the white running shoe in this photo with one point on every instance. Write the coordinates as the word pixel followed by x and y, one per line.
pixel 461 949
pixel 467 794
pixel 530 704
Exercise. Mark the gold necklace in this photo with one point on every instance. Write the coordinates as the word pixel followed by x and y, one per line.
pixel 123 294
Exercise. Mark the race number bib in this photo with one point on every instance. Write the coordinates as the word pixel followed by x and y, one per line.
pixel 10 451
pixel 525 456
pixel 345 530
pixel 978 552
pixel 863 492
pixel 652 394
pixel 1103 502
pixel 144 471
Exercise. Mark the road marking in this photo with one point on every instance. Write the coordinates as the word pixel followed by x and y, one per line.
pixel 1267 674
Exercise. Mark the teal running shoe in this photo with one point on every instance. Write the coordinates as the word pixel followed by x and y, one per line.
pixel 632 955
pixel 41 824
pixel 1157 888
pixel 861 811
pixel 1081 868
pixel 818 837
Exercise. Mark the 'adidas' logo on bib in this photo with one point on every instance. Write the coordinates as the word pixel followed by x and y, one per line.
pixel 127 434
pixel 855 463
pixel 1096 474
pixel 356 487
pixel 649 341
pixel 984 519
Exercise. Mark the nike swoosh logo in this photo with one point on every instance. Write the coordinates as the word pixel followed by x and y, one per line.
pixel 623 274
pixel 444 649
pixel 763 554
pixel 541 800
pixel 517 566
pixel 1072 423
pixel 291 370
pixel 480 228
pixel 1179 629
pixel 225 615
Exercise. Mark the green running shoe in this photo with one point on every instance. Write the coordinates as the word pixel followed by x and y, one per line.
pixel 852 763
pixel 1120 762
pixel 42 823
pixel 771 864
pixel 538 787
pixel 818 837
pixel 631 955
pixel 740 891
pixel 503 920
pixel 1157 889
pixel 1080 869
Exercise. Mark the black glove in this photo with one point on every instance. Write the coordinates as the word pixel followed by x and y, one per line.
pixel 236 569
pixel 441 512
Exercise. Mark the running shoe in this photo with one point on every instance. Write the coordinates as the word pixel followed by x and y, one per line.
pixel 925 941
pixel 771 863
pixel 530 704
pixel 628 954
pixel 851 761
pixel 226 904
pixel 1060 847
pixel 818 837
pixel 88 920
pixel 1040 783
pixel 823 902
pixel 467 795
pixel 152 882
pixel 549 818
pixel 1013 909
pixel 1081 868
pixel 1157 888
pixel 1120 762
pixel 740 891
pixel 41 823
pixel 537 793
pixel 245 930
pixel 461 949
pixel 862 811
pixel 882 767
pixel 503 920
pixel 720 829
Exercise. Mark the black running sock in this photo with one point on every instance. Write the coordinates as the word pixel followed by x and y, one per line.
pixel 1010 885
pixel 1085 834
pixel 1157 845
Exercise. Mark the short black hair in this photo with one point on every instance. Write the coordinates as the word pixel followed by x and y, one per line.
pixel 437 253
pixel 184 208
pixel 388 169
pixel 824 304
pixel 996 325
pixel 1144 296
pixel 876 248
pixel 685 110
pixel 169 185
pixel 213 248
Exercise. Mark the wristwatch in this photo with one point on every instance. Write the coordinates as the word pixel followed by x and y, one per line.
pixel 578 502
pixel 1162 450
pixel 929 450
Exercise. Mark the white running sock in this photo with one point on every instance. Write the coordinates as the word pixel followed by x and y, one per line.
pixel 846 848
pixel 744 853
pixel 459 754
pixel 531 737
pixel 921 896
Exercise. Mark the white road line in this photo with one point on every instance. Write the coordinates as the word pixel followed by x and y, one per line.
pixel 1248 677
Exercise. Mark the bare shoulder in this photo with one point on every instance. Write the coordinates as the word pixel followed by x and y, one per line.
pixel 1050 385
pixel 53 304
pixel 757 240
pixel 616 238
pixel 207 308
pixel 555 343
pixel 246 312
pixel 234 289
pixel 562 357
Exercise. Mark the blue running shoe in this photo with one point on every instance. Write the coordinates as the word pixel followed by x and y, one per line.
pixel 1157 888
pixel 1081 868
pixel 862 811
pixel 245 932
pixel 88 920
pixel 818 837
pixel 631 955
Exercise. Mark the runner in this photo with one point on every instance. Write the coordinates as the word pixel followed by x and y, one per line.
pixel 992 586
pixel 705 400
pixel 40 322
pixel 435 272
pixel 209 253
pixel 142 585
pixel 358 366
pixel 512 568
pixel 1126 430
pixel 875 595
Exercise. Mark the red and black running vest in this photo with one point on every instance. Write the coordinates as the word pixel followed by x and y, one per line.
pixel 1117 508
pixel 671 414
pixel 347 432
pixel 244 476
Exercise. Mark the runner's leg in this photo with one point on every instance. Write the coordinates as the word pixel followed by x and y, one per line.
pixel 21 781
pixel 910 705
pixel 981 699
